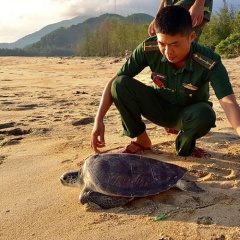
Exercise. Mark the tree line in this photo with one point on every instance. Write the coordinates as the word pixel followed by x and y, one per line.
pixel 112 38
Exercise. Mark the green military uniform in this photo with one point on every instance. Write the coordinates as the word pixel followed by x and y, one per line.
pixel 187 4
pixel 178 99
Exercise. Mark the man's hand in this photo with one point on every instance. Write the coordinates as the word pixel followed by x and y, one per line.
pixel 97 136
pixel 197 13
pixel 151 31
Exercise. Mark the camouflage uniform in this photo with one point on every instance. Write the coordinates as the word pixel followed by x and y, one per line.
pixel 178 99
pixel 187 4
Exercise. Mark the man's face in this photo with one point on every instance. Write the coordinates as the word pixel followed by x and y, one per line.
pixel 175 48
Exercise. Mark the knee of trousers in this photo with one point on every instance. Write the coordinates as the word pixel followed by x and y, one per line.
pixel 202 117
pixel 118 85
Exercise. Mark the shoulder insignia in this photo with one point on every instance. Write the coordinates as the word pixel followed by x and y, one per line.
pixel 204 61
pixel 150 46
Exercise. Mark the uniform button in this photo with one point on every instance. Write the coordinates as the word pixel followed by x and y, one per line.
pixel 190 95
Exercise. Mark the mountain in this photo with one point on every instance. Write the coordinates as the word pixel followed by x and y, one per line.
pixel 139 18
pixel 64 40
pixel 35 37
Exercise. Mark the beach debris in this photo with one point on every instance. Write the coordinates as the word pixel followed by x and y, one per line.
pixel 159 218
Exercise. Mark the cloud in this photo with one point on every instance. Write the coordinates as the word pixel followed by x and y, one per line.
pixel 94 7
pixel 19 18
pixel 74 8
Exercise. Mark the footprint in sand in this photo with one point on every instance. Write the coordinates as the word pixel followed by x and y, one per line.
pixel 2 159
pixel 7 125
pixel 26 107
pixel 83 121
pixel 212 172
pixel 16 132
pixel 13 132
pixel 13 141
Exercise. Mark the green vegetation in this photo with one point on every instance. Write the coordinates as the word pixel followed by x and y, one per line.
pixel 112 34
pixel 230 47
pixel 112 38
pixel 222 33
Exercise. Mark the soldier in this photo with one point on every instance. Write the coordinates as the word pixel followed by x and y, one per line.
pixel 200 11
pixel 182 71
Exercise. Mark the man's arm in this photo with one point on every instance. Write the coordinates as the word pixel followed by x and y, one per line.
pixel 151 31
pixel 197 12
pixel 161 6
pixel 232 111
pixel 97 136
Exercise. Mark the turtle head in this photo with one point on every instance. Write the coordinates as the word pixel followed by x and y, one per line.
pixel 71 178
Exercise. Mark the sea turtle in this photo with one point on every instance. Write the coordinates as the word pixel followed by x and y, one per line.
pixel 112 180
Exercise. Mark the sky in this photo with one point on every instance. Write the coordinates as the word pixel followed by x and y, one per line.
pixel 19 18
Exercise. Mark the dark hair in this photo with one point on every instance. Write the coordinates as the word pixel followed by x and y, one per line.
pixel 172 20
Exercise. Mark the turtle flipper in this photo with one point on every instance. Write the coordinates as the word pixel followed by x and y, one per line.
pixel 188 186
pixel 102 200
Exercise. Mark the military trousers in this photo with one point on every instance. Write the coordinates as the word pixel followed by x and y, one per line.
pixel 135 100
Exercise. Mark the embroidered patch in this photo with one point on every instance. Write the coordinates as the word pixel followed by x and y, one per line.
pixel 190 86
pixel 150 46
pixel 204 61
pixel 158 75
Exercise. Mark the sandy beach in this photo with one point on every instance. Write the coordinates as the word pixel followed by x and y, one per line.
pixel 47 109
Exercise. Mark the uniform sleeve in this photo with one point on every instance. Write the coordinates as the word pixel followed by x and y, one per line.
pixel 188 3
pixel 219 80
pixel 135 64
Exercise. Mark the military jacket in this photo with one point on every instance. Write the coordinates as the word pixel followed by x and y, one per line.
pixel 188 3
pixel 184 86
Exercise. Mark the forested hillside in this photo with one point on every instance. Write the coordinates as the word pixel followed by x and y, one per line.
pixel 67 41
pixel 36 36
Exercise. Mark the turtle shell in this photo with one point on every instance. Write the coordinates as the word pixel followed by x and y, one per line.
pixel 129 175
